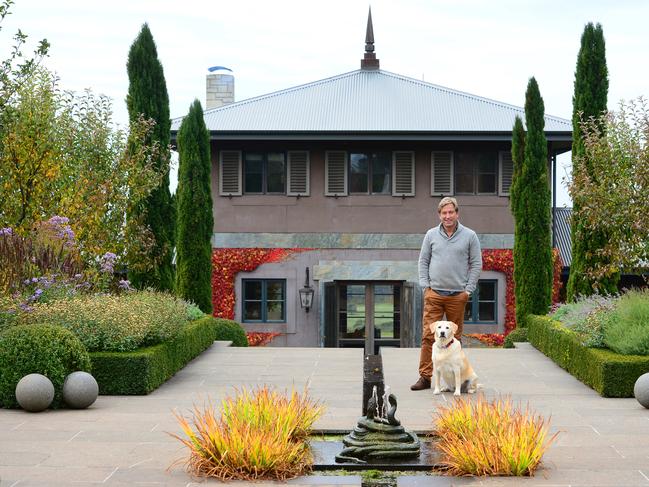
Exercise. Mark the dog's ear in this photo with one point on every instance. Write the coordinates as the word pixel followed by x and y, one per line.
pixel 454 327
pixel 432 326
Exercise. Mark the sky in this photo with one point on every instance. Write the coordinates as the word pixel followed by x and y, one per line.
pixel 487 48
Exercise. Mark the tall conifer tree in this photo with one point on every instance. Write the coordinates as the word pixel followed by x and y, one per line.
pixel 518 157
pixel 147 96
pixel 532 250
pixel 194 202
pixel 589 100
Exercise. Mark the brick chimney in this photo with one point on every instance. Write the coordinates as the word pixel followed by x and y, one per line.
pixel 219 88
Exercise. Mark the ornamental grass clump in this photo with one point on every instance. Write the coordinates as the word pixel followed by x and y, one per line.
pixel 478 437
pixel 260 434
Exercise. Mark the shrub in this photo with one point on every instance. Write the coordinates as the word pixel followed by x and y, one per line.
pixel 194 312
pixel 260 435
pixel 115 323
pixel 40 348
pixel 626 328
pixel 571 314
pixel 585 318
pixel 143 370
pixel 491 438
pixel 231 331
pixel 516 335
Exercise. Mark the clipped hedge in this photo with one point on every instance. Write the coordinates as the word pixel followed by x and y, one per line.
pixel 516 335
pixel 231 331
pixel 143 370
pixel 609 373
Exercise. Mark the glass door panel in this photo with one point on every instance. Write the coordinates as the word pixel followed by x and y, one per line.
pixel 351 311
pixel 387 299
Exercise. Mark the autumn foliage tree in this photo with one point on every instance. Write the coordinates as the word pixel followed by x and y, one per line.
pixel 18 67
pixel 62 156
pixel 613 190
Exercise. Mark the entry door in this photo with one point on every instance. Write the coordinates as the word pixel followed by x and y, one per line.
pixel 368 314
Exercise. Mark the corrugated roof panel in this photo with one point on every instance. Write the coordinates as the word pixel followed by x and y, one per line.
pixel 563 234
pixel 369 101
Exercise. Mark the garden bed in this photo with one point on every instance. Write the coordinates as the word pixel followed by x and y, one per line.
pixel 145 369
pixel 609 373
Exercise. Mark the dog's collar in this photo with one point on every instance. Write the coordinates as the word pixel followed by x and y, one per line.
pixel 449 343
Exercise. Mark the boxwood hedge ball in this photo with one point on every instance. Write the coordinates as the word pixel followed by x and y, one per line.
pixel 80 390
pixel 641 390
pixel 34 392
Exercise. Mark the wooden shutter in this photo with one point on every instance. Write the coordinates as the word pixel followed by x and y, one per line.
pixel 298 173
pixel 403 173
pixel 505 172
pixel 230 173
pixel 336 173
pixel 441 173
pixel 330 318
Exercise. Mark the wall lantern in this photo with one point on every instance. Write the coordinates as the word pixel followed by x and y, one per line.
pixel 306 293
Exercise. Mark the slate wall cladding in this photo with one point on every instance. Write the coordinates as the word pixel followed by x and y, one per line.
pixel 303 329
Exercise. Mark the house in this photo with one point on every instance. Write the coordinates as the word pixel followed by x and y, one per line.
pixel 330 186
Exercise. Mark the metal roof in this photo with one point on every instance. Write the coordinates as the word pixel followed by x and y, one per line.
pixel 563 240
pixel 370 101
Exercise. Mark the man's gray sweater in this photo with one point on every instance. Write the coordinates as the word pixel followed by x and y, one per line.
pixel 450 263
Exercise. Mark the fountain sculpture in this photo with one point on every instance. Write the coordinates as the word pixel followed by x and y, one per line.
pixel 378 435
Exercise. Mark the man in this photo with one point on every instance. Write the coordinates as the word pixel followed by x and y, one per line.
pixel 450 262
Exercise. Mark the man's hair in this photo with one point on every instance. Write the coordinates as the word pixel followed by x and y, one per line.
pixel 447 200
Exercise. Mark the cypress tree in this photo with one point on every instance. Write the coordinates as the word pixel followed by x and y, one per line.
pixel 518 156
pixel 194 202
pixel 147 95
pixel 589 100
pixel 533 246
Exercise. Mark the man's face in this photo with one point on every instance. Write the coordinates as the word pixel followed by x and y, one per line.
pixel 448 216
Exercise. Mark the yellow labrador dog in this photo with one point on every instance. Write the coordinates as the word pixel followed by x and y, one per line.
pixel 450 364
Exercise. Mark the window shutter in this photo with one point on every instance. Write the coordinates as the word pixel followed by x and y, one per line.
pixel 403 173
pixel 505 172
pixel 336 173
pixel 441 173
pixel 298 173
pixel 230 173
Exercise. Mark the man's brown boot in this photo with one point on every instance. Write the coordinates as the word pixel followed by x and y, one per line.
pixel 421 384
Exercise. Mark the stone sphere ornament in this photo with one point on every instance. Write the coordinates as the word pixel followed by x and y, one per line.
pixel 35 393
pixel 80 390
pixel 641 390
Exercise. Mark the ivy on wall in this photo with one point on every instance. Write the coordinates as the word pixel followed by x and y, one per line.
pixel 502 260
pixel 226 263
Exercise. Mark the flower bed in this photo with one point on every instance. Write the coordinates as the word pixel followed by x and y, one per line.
pixel 609 373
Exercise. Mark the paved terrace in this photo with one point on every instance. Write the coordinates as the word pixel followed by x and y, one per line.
pixel 121 440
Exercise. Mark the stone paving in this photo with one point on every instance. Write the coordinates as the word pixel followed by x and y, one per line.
pixel 123 440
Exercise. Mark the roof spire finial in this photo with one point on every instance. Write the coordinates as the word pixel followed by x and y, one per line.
pixel 369 60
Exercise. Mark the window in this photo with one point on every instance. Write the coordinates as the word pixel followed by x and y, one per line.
pixel 264 173
pixel 264 300
pixel 476 172
pixel 370 172
pixel 483 305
